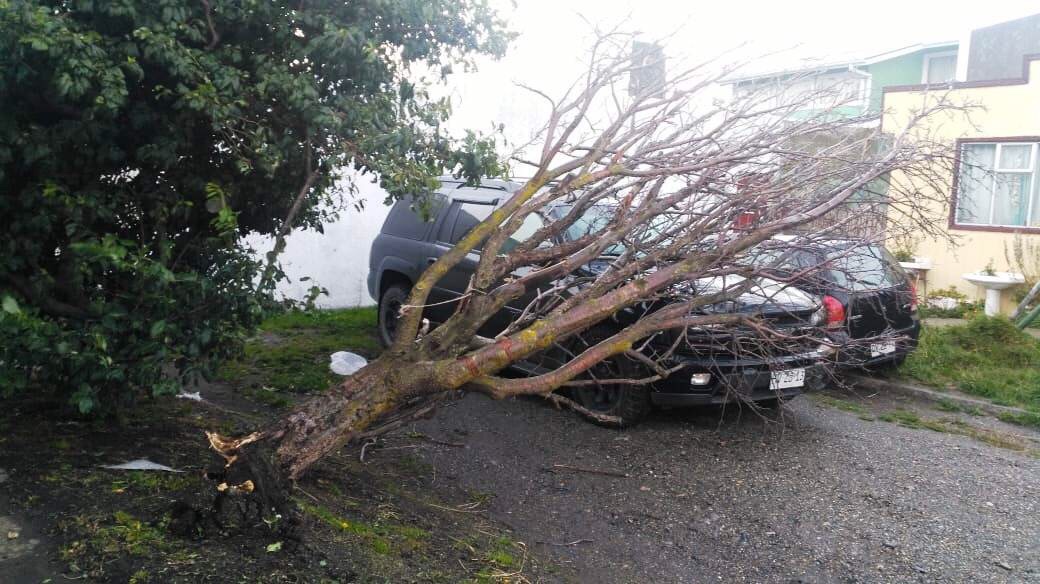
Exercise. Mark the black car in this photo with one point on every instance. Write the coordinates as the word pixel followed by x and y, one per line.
pixel 712 365
pixel 871 303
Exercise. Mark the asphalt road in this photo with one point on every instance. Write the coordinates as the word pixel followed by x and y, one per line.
pixel 814 494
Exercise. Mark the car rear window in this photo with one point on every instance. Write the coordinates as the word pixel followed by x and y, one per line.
pixel 863 268
pixel 411 216
pixel 855 267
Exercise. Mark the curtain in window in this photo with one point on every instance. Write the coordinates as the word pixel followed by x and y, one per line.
pixel 996 185
pixel 975 187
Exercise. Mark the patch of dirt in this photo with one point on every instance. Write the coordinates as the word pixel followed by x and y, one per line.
pixel 387 519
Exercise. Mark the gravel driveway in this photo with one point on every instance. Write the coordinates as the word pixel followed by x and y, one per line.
pixel 813 494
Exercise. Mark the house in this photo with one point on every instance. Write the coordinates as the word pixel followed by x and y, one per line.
pixel 994 191
pixel 857 83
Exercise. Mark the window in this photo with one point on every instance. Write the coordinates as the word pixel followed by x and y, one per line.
pixel 531 224
pixel 997 186
pixel 470 215
pixel 411 216
pixel 939 68
pixel 864 268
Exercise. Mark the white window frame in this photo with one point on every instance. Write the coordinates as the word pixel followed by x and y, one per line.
pixel 1031 170
pixel 938 55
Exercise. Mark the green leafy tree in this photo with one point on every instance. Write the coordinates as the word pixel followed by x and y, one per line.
pixel 139 139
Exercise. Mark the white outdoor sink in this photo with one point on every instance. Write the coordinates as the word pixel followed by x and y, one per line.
pixel 918 265
pixel 994 283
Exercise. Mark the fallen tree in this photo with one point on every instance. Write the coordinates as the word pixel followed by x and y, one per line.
pixel 685 187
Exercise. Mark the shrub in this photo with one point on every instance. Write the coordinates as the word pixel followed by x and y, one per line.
pixel 139 140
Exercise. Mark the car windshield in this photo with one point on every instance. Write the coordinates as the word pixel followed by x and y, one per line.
pixel 598 216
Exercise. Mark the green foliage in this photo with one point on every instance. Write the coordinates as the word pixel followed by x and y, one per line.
pixel 964 308
pixel 987 357
pixel 903 255
pixel 1031 419
pixel 140 140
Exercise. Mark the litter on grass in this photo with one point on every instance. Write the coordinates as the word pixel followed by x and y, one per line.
pixel 140 464
pixel 346 363
pixel 197 396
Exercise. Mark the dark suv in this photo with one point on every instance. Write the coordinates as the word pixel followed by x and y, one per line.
pixel 715 365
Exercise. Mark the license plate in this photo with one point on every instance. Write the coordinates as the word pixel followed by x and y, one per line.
pixel 878 349
pixel 787 378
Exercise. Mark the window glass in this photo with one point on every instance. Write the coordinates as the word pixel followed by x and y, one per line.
pixel 470 215
pixel 997 185
pixel 976 184
pixel 1015 156
pixel 411 216
pixel 1011 198
pixel 863 268
pixel 531 224
pixel 594 220
pixel 941 69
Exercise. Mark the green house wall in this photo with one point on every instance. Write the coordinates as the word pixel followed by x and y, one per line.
pixel 902 70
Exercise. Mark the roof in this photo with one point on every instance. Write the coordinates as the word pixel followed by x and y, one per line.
pixel 489 189
pixel 839 64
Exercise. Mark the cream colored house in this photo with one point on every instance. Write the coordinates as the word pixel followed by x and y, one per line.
pixel 995 187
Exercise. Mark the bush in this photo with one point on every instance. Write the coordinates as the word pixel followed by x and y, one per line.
pixel 140 140
pixel 933 307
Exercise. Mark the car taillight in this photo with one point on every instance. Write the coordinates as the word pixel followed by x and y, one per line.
pixel 835 312
pixel 913 296
pixel 745 220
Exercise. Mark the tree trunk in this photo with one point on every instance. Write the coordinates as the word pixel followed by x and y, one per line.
pixel 268 462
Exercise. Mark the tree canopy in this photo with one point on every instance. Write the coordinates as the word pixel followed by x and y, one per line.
pixel 139 140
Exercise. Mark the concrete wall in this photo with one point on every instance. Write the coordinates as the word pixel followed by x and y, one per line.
pixel 337 259
pixel 997 51
pixel 1011 110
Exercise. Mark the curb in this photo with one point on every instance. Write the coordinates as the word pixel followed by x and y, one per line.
pixel 919 391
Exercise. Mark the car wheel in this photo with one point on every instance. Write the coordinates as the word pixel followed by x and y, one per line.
pixel 630 403
pixel 390 304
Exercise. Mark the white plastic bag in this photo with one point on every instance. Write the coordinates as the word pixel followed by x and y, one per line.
pixel 140 464
pixel 346 363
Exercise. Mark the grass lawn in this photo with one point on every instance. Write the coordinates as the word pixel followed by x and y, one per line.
pixel 290 352
pixel 986 357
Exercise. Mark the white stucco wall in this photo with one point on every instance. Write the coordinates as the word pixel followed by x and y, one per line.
pixel 337 259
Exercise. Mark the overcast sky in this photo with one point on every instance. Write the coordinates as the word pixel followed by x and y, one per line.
pixel 553 35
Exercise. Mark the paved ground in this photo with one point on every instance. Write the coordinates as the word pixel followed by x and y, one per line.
pixel 816 494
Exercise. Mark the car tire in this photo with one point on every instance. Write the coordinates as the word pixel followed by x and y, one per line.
pixel 390 304
pixel 629 403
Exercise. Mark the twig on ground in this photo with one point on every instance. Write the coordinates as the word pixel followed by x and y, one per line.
pixel 560 400
pixel 609 473
pixel 454 509
pixel 367 443
pixel 575 542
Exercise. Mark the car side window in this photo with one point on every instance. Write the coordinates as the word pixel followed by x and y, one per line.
pixel 411 216
pixel 468 217
pixel 532 223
